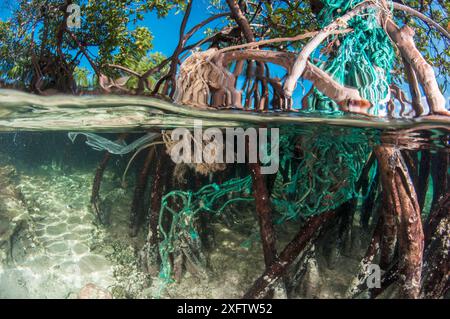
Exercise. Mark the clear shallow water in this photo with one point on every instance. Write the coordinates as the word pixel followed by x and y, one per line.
pixel 52 242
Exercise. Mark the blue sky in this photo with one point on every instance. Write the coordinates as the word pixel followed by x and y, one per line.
pixel 165 31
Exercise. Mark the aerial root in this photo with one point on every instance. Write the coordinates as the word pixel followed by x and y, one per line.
pixel 199 78
pixel 95 194
pixel 137 205
pixel 397 183
pixel 263 285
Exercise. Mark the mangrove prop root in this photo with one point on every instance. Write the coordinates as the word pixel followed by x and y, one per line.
pixel 300 64
pixel 389 277
pixel 414 88
pixel 348 209
pixel 389 238
pixel 397 183
pixel 403 39
pixel 151 256
pixel 95 196
pixel 264 211
pixel 199 75
pixel 137 206
pixel 265 282
pixel 410 159
pixel 436 270
pixel 423 177
pixel 369 204
pixel 358 283
pixel 441 178
pixel 156 195
pixel 300 268
pixel 439 211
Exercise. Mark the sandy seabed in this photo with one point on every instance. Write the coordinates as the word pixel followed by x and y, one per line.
pixel 60 248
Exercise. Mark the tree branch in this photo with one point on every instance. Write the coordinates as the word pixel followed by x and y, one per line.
pixel 241 20
pixel 308 49
pixel 430 22
pixel 278 40
pixel 403 39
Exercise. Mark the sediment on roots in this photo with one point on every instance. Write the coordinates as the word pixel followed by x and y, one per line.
pixel 397 183
pixel 436 270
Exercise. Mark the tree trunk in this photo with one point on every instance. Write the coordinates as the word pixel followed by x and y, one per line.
pixel 403 38
pixel 95 195
pixel 150 251
pixel 441 179
pixel 358 283
pixel 264 211
pixel 137 205
pixel 398 186
pixel 423 177
pixel 436 279
pixel 264 283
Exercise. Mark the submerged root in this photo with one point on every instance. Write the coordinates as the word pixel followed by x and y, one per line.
pixel 436 270
pixel 95 195
pixel 263 285
pixel 213 148
pixel 397 183
pixel 137 206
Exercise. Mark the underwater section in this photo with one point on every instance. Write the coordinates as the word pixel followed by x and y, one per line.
pixel 110 215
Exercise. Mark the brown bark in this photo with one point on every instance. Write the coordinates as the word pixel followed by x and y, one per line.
pixel 178 50
pixel 95 196
pixel 436 278
pixel 441 179
pixel 358 282
pixel 403 38
pixel 348 98
pixel 241 20
pixel 278 40
pixel 414 89
pixel 337 92
pixel 389 231
pixel 237 14
pixel 423 177
pixel 399 188
pixel 264 211
pixel 302 59
pixel 264 283
pixel 149 254
pixel 158 185
pixel 137 205
pixel 284 59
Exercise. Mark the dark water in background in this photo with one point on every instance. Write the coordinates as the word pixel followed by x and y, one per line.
pixel 37 148
pixel 53 154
